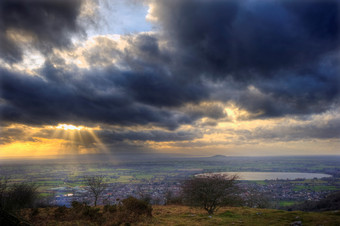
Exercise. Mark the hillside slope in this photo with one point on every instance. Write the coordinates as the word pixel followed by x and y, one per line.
pixel 183 215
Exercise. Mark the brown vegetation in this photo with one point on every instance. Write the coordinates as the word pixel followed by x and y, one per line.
pixel 129 210
pixel 185 215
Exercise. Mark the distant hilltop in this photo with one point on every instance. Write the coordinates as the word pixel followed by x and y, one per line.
pixel 219 157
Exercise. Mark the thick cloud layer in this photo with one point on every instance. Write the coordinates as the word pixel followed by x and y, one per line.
pixel 33 100
pixel 270 58
pixel 286 49
pixel 48 23
pixel 244 39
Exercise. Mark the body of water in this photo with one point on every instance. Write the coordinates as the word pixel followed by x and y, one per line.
pixel 271 175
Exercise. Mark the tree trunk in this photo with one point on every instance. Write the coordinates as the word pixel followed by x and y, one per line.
pixel 211 211
pixel 95 200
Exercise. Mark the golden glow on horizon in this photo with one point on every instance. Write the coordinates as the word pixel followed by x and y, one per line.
pixel 229 137
pixel 64 139
pixel 38 148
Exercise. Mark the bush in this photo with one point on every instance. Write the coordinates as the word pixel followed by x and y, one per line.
pixel 77 206
pixel 137 206
pixel 35 212
pixel 23 195
pixel 132 210
pixel 17 196
pixel 91 212
pixel 172 199
pixel 60 212
pixel 81 210
pixel 110 208
pixel 7 218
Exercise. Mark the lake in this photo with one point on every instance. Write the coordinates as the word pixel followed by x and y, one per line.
pixel 272 175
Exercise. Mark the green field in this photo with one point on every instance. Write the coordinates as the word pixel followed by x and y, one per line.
pixel 287 203
pixel 53 174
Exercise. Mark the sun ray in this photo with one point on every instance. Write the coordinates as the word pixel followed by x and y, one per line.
pixel 76 137
pixel 79 136
pixel 98 141
pixel 56 133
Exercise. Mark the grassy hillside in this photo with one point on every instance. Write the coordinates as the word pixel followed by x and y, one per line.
pixel 183 215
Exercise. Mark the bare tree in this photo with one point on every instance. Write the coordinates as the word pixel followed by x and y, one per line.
pixel 254 198
pixel 210 192
pixel 95 185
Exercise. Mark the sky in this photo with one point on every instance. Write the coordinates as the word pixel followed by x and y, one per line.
pixel 193 77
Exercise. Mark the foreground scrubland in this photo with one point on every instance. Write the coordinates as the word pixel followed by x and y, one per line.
pixel 183 215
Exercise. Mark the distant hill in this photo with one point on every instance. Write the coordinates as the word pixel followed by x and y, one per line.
pixel 219 157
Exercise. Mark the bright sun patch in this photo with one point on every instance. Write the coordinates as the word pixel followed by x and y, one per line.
pixel 69 127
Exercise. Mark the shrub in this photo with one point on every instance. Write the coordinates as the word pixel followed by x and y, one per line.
pixel 60 212
pixel 132 210
pixel 172 199
pixel 91 212
pixel 77 206
pixel 17 196
pixel 110 208
pixel 35 212
pixel 137 206
pixel 7 218
pixel 83 210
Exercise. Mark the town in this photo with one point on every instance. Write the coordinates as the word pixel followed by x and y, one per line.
pixel 158 181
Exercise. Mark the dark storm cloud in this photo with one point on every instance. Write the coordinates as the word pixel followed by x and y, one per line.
pixel 50 23
pixel 153 89
pixel 148 78
pixel 285 49
pixel 109 136
pixel 88 98
pixel 11 134
pixel 312 90
pixel 242 38
pixel 328 129
pixel 273 58
pixel 206 109
pixel 151 78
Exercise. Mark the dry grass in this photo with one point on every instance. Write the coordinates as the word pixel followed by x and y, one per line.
pixel 184 215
